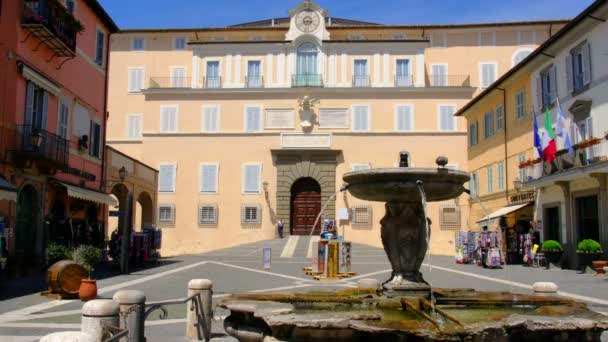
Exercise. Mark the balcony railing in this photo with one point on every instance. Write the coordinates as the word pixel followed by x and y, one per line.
pixel 450 80
pixel 38 144
pixel 306 80
pixel 361 81
pixel 404 81
pixel 49 21
pixel 213 82
pixel 254 81
pixel 170 82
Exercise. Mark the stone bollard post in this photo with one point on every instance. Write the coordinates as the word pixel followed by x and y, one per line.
pixel 132 309
pixel 543 288
pixel 96 314
pixel 204 287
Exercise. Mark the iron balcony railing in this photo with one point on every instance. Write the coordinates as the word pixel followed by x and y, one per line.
pixel 450 80
pixel 404 81
pixel 361 81
pixel 254 81
pixel 213 82
pixel 170 82
pixel 306 80
pixel 39 144
pixel 51 22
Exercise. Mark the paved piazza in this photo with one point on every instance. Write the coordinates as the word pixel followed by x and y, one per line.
pixel 239 269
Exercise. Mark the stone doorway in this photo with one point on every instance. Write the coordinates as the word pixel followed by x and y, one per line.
pixel 305 206
pixel 28 237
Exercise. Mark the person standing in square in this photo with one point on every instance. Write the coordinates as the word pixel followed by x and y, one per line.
pixel 280 228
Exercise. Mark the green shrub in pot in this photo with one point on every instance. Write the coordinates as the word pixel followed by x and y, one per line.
pixel 56 253
pixel 589 246
pixel 88 257
pixel 551 246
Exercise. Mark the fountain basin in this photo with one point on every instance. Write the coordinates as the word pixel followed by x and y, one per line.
pixel 399 184
pixel 365 315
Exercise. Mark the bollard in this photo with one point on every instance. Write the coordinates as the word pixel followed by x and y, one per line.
pixel 543 288
pixel 96 314
pixel 67 336
pixel 204 287
pixel 132 309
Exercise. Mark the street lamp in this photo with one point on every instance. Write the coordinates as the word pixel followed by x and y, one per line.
pixel 36 138
pixel 122 174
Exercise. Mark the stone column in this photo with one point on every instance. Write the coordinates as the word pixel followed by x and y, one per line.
pixel 96 314
pixel 132 308
pixel 204 288
pixel 569 243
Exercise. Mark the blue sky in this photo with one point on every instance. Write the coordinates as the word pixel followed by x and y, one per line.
pixel 207 13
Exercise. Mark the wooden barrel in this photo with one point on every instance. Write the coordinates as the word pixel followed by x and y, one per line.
pixel 64 277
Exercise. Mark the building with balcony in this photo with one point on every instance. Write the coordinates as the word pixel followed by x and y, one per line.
pixel 274 112
pixel 567 199
pixel 52 121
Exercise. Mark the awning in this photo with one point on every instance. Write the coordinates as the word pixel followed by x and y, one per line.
pixel 89 195
pixel 503 211
pixel 7 190
pixel 43 82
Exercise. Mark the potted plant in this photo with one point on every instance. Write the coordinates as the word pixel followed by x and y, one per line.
pixel 88 257
pixel 588 251
pixel 56 253
pixel 553 252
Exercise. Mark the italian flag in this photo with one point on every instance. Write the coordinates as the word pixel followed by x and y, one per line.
pixel 549 148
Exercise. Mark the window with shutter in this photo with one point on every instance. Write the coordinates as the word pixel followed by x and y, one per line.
pixel 360 118
pixel 251 178
pixel 251 214
pixel 501 176
pixel 520 104
pixel 439 77
pixel 207 214
pixel 179 43
pixel 134 126
pixel 523 172
pixel 95 139
pixel 168 119
pixel 449 217
pixel 137 44
pixel 279 118
pixel 473 134
pixel 210 119
pixel 333 118
pixel 490 179
pixel 135 79
pixel 361 215
pixel 474 184
pixel 488 127
pixel 253 119
pixel 404 118
pixel 447 120
pixel 166 177
pixel 209 178
pixel 63 119
pixel 488 74
pixel 548 87
pixel 500 118
pixel 100 47
pixel 166 213
pixel 82 120
pixel 578 68
pixel 178 77
pixel 486 39
pixel 526 38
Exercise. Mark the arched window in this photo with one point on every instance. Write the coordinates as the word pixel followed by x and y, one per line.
pixel 307 59
pixel 520 55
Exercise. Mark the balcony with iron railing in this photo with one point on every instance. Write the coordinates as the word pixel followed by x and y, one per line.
pixel 170 82
pixel 50 21
pixel 38 144
pixel 306 80
pixel 212 82
pixel 404 81
pixel 449 80
pixel 254 81
pixel 361 81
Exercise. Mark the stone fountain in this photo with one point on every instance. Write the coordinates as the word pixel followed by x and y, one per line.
pixel 405 307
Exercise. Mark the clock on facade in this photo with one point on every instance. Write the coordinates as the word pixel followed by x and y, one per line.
pixel 307 20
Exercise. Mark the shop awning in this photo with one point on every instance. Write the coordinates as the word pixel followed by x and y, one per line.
pixel 7 190
pixel 503 211
pixel 89 195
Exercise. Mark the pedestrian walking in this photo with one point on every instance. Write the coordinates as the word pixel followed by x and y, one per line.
pixel 280 228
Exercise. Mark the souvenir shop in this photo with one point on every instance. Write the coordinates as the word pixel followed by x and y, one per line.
pixel 507 236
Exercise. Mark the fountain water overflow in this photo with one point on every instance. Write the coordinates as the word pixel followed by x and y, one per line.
pixel 406 307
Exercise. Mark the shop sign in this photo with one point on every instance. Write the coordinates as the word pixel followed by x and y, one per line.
pixel 525 197
pixel 79 173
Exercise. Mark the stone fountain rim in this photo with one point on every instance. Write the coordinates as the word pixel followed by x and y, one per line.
pixel 354 177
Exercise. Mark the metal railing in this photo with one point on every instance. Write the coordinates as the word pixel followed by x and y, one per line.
pixel 449 80
pixel 170 82
pixel 306 80
pixel 254 81
pixel 113 333
pixel 404 81
pixel 37 143
pixel 361 81
pixel 213 82
pixel 52 15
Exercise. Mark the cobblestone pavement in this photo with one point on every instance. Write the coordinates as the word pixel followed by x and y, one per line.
pixel 239 269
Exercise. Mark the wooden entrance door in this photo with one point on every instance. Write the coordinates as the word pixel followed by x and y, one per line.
pixel 305 206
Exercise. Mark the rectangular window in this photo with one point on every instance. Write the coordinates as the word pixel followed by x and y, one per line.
pixel 179 43
pixel 488 124
pixel 137 44
pixel 100 47
pixel 210 119
pixel 251 214
pixel 254 74
pixel 360 77
pixel 36 106
pixel 279 118
pixel 333 118
pixel 404 118
pixel 95 139
pixel 166 213
pixel 361 215
pixel 136 80
pixel 473 134
pixel 439 76
pixel 439 39
pixel 447 120
pixel 134 126
pixel 449 217
pixel 63 120
pixel 523 172
pixel 253 119
pixel 360 166
pixel 490 176
pixel 501 176
pixel 70 5
pixel 548 87
pixel 81 122
pixel 251 178
pixel 526 38
pixel 474 184
pixel 209 178
pixel 178 77
pixel 500 118
pixel 402 75
pixel 488 74
pixel 520 103
pixel 486 39
pixel 166 177
pixel 578 67
pixel 168 118
pixel 361 118
pixel 212 79
pixel 207 214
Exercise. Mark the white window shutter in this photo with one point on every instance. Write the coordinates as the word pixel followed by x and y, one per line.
pixel 173 119
pixel 251 178
pixel 45 108
pixel 164 119
pixel 569 78
pixel 404 118
pixel 208 178
pixel 166 178
pixel 553 77
pixel 360 118
pixel 586 63
pixel 539 94
pixel 131 80
pixel 210 119
pixel 253 119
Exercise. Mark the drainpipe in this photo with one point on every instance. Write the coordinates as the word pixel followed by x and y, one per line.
pixel 105 118
pixel 504 127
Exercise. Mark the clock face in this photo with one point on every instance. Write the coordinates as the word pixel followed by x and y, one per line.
pixel 307 20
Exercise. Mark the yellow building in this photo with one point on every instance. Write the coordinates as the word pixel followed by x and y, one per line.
pixel 258 122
